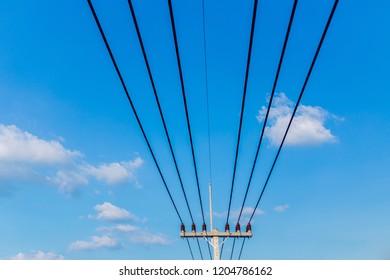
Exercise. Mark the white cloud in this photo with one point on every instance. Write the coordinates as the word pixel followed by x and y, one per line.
pixel 95 243
pixel 134 164
pixel 68 181
pixel 110 212
pixel 248 211
pixel 135 234
pixel 26 158
pixel 123 232
pixel 307 127
pixel 115 173
pixel 281 208
pixel 37 255
pixel 120 228
pixel 145 237
pixel 18 146
pixel 245 215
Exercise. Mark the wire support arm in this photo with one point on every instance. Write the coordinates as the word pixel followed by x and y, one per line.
pixel 216 233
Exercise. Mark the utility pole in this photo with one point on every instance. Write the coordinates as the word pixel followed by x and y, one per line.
pixel 214 234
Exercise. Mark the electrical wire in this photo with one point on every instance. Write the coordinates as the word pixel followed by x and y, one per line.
pixel 211 257
pixel 189 247
pixel 231 253
pixel 207 90
pixel 200 250
pixel 255 4
pixel 269 105
pixel 297 104
pixel 158 103
pixel 132 106
pixel 185 102
pixel 242 247
pixel 243 103
pixel 223 243
pixel 207 104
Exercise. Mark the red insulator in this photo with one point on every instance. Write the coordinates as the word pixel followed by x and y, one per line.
pixel 248 228
pixel 193 227
pixel 227 227
pixel 182 228
pixel 204 227
pixel 238 227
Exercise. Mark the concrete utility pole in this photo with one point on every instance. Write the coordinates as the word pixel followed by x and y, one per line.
pixel 214 234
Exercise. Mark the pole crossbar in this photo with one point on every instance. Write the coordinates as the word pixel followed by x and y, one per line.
pixel 216 233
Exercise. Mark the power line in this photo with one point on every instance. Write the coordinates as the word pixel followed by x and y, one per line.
pixel 295 108
pixel 243 104
pixel 207 90
pixel 242 247
pixel 208 246
pixel 185 103
pixel 255 4
pixel 297 104
pixel 158 103
pixel 222 247
pixel 200 250
pixel 269 105
pixel 231 253
pixel 189 247
pixel 207 103
pixel 132 105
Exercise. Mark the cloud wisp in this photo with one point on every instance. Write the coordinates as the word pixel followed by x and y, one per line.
pixel 246 213
pixel 307 128
pixel 281 208
pixel 37 255
pixel 114 173
pixel 110 212
pixel 95 243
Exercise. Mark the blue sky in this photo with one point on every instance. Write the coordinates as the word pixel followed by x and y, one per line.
pixel 77 180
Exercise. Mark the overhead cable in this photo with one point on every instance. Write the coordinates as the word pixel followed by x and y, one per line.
pixel 297 104
pixel 255 4
pixel 231 253
pixel 243 103
pixel 207 90
pixel 269 105
pixel 132 105
pixel 207 103
pixel 133 15
pixel 185 102
pixel 242 247
pixel 189 247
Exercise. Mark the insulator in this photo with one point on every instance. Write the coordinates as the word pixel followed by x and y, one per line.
pixel 193 227
pixel 204 227
pixel 248 228
pixel 238 227
pixel 182 228
pixel 227 227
